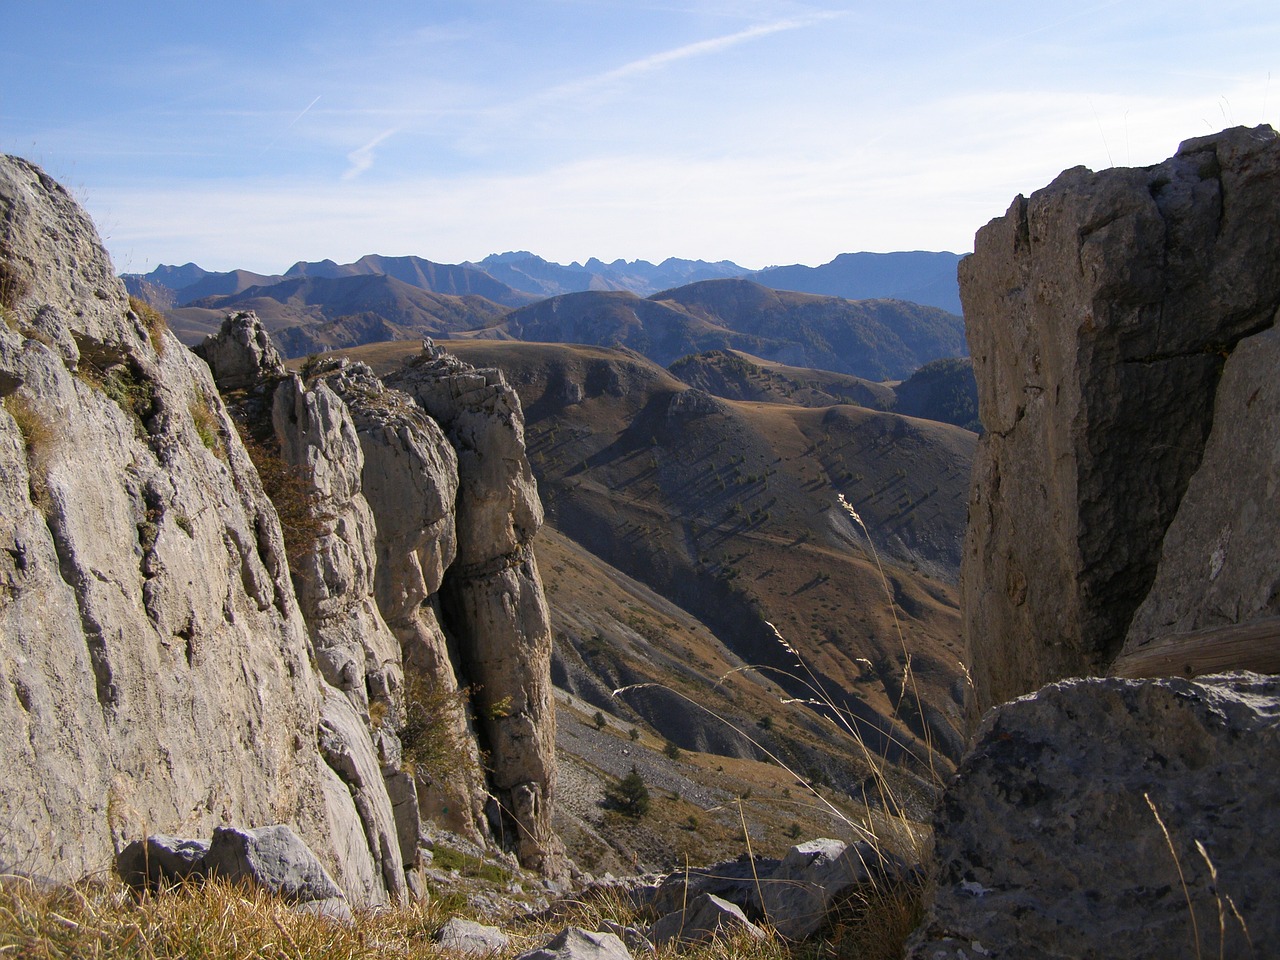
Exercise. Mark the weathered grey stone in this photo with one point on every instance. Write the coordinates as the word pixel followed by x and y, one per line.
pixel 633 937
pixel 493 592
pixel 814 875
pixel 158 860
pixel 241 354
pixel 154 670
pixel 1099 312
pixel 1048 842
pixel 410 482
pixel 346 746
pixel 574 943
pixel 356 650
pixel 274 858
pixel 706 918
pixel 1220 559
pixel 471 938
pixel 738 881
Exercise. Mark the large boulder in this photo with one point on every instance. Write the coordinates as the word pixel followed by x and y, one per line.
pixel 272 857
pixel 1114 818
pixel 1220 559
pixel 1101 312
pixel 707 917
pixel 814 876
pixel 574 943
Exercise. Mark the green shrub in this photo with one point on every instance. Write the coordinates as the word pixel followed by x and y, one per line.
pixel 629 796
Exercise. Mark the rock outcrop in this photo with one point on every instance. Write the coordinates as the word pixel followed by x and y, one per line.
pixel 492 593
pixel 1117 322
pixel 1123 332
pixel 410 481
pixel 154 665
pixel 1072 826
pixel 180 652
pixel 421 597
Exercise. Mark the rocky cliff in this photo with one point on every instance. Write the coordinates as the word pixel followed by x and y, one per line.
pixel 1123 503
pixel 1120 325
pixel 174 657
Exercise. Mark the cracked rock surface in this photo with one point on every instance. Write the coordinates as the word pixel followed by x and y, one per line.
pixel 1100 312
pixel 154 668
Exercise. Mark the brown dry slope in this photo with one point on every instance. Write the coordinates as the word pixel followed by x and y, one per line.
pixel 686 524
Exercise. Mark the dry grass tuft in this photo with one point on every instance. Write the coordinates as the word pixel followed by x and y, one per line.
pixel 214 921
pixel 875 923
pixel 153 320
pixel 298 504
pixel 38 436
pixel 37 432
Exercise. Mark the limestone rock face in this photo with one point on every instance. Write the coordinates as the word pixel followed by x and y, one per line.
pixel 1100 312
pixel 1220 560
pixel 334 577
pixel 419 589
pixel 154 668
pixel 410 482
pixel 171 662
pixel 492 594
pixel 1047 845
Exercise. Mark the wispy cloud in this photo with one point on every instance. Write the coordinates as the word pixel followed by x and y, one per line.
pixel 699 49
pixel 361 158
pixel 291 123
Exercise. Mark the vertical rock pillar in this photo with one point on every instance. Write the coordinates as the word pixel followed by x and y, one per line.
pixel 492 594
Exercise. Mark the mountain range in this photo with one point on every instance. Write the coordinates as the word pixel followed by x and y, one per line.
pixel 664 311
pixel 516 278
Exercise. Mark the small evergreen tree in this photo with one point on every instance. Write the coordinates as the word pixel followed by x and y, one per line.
pixel 599 720
pixel 629 795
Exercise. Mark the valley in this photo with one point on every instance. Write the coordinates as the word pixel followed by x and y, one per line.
pixel 680 527
pixel 719 619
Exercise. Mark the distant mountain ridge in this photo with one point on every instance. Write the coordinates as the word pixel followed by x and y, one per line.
pixel 664 311
pixel 518 277
pixel 530 273
pixel 874 339
pixel 919 276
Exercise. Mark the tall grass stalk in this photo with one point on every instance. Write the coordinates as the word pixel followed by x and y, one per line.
pixel 908 673
pixel 1177 862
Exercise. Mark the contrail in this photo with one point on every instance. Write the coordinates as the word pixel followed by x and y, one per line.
pixel 291 123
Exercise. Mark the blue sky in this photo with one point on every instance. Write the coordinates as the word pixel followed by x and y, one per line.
pixel 761 131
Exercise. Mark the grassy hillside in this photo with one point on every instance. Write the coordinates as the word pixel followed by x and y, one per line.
pixel 313 314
